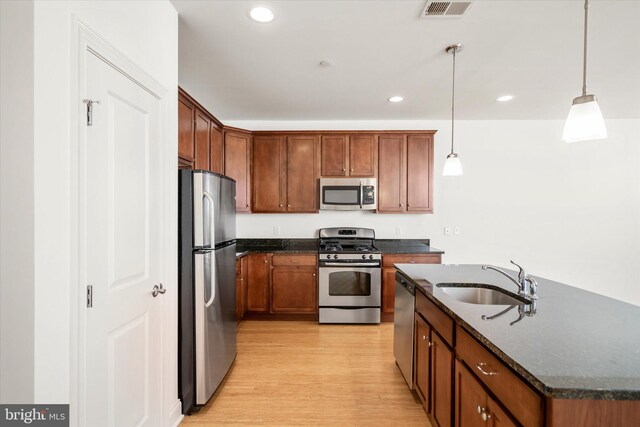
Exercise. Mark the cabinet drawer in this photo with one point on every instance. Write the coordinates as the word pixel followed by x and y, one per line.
pixel 441 322
pixel 389 260
pixel 520 399
pixel 307 260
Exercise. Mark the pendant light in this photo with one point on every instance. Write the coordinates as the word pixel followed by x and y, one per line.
pixel 585 121
pixel 452 166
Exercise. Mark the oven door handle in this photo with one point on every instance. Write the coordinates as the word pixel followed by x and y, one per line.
pixel 349 264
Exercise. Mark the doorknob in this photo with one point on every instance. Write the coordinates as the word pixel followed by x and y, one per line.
pixel 158 290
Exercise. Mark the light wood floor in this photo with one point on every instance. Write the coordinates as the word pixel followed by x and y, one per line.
pixel 303 373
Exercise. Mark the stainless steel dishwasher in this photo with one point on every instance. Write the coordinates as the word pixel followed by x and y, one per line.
pixel 403 322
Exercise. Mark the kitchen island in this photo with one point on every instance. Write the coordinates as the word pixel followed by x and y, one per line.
pixel 573 358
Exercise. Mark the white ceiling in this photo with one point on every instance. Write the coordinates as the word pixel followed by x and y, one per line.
pixel 244 70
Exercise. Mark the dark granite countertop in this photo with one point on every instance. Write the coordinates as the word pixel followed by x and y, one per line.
pixel 277 245
pixel 406 246
pixel 578 345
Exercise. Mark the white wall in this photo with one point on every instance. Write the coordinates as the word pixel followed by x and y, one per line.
pixel 16 202
pixel 568 212
pixel 147 33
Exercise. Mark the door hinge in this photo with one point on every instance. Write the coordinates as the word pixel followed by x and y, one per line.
pixel 90 103
pixel 89 296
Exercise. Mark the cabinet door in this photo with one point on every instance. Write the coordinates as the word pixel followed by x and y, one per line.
pixel 239 290
pixel 202 141
pixel 441 383
pixel 497 417
pixel 362 155
pixel 294 290
pixel 422 353
pixel 302 176
pixel 388 289
pixel 419 173
pixel 237 149
pixel 269 173
pixel 258 283
pixel 217 150
pixel 186 116
pixel 334 155
pixel 470 399
pixel 391 173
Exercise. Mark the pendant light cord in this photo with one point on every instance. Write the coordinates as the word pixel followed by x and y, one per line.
pixel 453 95
pixel 584 62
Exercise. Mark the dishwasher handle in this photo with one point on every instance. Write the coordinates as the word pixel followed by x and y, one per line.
pixel 410 287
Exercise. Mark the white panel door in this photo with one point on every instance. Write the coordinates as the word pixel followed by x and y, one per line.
pixel 123 214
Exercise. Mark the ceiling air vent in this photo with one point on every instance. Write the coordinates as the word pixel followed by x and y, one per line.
pixel 446 9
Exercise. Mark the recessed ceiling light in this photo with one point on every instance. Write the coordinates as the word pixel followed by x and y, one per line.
pixel 261 14
pixel 325 63
pixel 396 99
pixel 504 98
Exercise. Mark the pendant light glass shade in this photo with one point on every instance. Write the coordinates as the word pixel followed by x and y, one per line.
pixel 585 122
pixel 452 166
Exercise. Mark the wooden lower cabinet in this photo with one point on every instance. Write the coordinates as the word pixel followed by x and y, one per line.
pixel 432 373
pixel 258 273
pixel 294 290
pixel 241 287
pixel 422 353
pixel 282 283
pixel 473 405
pixel 441 359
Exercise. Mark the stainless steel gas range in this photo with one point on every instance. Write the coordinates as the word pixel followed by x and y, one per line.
pixel 349 276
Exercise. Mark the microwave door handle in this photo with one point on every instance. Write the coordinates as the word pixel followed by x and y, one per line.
pixel 361 196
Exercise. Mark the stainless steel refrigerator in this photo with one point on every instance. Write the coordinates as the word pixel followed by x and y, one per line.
pixel 207 299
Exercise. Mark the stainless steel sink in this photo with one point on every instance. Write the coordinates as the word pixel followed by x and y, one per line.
pixel 479 294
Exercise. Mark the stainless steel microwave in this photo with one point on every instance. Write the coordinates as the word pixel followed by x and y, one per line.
pixel 348 194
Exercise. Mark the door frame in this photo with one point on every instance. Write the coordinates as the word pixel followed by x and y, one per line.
pixel 84 42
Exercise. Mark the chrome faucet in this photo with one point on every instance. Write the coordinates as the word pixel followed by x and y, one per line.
pixel 527 286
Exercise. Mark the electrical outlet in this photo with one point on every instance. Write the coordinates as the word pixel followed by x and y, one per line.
pixel 276 230
pixel 398 231
pixel 447 231
pixel 456 230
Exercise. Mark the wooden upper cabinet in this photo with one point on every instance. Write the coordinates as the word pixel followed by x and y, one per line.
pixel 186 116
pixel 405 173
pixel 334 155
pixel 348 155
pixel 362 155
pixel 202 145
pixel 269 173
pixel 302 174
pixel 420 173
pixel 391 173
pixel 237 160
pixel 216 162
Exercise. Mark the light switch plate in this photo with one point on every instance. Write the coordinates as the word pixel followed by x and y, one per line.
pixel 456 230
pixel 447 231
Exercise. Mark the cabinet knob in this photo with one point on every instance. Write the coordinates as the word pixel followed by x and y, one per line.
pixel 401 205
pixel 314 274
pixel 409 205
pixel 343 169
pixel 424 338
pixel 265 261
pixel 479 409
pixel 430 343
pixel 288 206
pixel 247 204
pixel 486 417
pixel 280 204
pixel 351 170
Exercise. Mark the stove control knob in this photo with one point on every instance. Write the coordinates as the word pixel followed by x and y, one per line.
pixel 335 256
pixel 370 256
pixel 364 257
pixel 328 256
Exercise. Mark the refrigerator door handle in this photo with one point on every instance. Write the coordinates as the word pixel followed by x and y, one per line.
pixel 212 284
pixel 210 220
